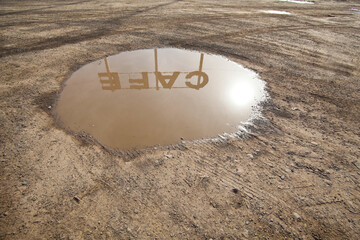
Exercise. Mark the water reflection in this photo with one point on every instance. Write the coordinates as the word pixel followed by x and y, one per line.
pixel 180 94
pixel 111 80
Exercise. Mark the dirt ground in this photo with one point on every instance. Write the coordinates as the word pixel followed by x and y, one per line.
pixel 296 176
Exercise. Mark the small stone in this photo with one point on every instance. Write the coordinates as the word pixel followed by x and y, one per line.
pixel 247 222
pixel 136 211
pixel 297 216
pixel 250 156
pixel 329 183
pixel 6 213
pixel 282 177
pixel 271 220
pixel 76 199
pixel 49 107
pixel 168 156
pixel 294 108
pixel 314 143
pixel 356 164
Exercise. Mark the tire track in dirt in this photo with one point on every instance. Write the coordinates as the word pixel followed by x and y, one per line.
pixel 62 40
pixel 230 178
pixel 244 33
pixel 43 8
pixel 233 180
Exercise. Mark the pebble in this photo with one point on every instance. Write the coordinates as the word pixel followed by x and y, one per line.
pixel 297 216
pixel 356 164
pixel 282 177
pixel 49 107
pixel 250 156
pixel 247 222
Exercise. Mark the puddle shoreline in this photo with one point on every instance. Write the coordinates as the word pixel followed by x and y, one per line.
pixel 137 88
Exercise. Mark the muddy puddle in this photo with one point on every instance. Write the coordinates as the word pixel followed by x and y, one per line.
pixel 298 1
pixel 276 12
pixel 153 97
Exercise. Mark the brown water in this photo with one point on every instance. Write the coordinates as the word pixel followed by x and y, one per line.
pixel 158 96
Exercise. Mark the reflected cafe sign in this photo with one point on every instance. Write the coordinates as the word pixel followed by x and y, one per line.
pixel 195 80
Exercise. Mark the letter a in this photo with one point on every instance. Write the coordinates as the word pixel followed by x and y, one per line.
pixel 163 78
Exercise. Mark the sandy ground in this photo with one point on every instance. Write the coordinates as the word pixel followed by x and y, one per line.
pixel 296 176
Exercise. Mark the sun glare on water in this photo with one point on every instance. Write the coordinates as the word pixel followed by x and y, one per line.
pixel 242 94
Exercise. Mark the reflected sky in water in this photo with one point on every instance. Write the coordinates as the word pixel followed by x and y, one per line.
pixel 157 96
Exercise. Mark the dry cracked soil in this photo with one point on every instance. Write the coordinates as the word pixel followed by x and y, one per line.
pixel 295 175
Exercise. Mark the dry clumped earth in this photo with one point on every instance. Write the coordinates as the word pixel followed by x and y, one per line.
pixel 296 176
